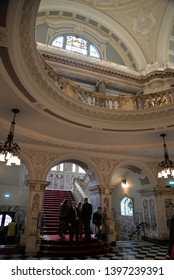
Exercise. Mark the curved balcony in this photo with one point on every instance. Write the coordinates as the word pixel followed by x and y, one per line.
pixel 111 102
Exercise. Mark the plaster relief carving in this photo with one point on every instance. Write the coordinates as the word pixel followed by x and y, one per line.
pixel 156 86
pixel 40 160
pixel 106 166
pixel 36 200
pixel 78 29
pixel 3 36
pixel 144 22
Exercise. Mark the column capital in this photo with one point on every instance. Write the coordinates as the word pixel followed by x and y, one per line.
pixel 37 185
pixel 106 190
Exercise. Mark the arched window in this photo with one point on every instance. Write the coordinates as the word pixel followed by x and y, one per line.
pixel 76 44
pixel 126 205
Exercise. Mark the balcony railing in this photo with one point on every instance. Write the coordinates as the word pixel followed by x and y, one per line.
pixel 105 101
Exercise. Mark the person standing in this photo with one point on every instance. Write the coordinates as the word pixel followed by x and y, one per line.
pixel 64 209
pixel 80 221
pixel 73 219
pixel 97 219
pixel 86 216
pixel 104 229
pixel 12 232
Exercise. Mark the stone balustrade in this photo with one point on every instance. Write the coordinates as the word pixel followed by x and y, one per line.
pixel 105 101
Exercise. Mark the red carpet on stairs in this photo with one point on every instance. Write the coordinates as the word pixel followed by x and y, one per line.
pixel 51 205
pixel 63 248
pixel 51 244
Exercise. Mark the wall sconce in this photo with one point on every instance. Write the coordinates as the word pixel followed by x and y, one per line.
pixel 124 183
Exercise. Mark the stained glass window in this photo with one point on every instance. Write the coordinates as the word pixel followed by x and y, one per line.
pixel 76 44
pixel 126 206
pixel 94 52
pixel 58 42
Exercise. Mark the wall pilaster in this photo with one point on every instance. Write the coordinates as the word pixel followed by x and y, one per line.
pixel 35 204
pixel 106 203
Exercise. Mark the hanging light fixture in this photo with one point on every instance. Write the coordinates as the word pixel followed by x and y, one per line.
pixel 9 151
pixel 167 166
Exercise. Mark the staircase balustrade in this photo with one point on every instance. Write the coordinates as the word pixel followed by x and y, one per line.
pixel 78 189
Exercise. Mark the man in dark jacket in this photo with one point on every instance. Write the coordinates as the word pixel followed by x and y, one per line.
pixel 86 216
pixel 73 218
pixel 97 219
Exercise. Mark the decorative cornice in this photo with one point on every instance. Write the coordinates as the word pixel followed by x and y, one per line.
pixel 121 72
pixel 89 66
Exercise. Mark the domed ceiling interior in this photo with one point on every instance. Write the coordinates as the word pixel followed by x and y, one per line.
pixel 133 38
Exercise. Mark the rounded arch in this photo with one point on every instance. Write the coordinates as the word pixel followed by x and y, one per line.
pixel 85 163
pixel 103 20
pixel 142 172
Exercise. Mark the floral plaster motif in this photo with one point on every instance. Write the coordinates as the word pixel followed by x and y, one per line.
pixel 106 166
pixel 39 161
pixel 36 200
pixel 144 22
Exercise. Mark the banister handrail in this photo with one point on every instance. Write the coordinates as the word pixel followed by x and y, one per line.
pixel 138 228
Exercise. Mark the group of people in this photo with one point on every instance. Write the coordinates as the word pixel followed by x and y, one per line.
pixel 76 217
pixel 73 217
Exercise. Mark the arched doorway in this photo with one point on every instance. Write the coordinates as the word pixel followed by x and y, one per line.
pixel 129 213
pixel 76 176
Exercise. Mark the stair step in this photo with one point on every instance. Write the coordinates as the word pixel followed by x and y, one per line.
pixel 51 209
pixel 63 248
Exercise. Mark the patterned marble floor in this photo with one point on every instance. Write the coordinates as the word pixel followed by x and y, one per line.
pixel 124 250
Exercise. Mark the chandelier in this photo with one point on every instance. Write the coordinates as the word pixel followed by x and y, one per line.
pixel 167 166
pixel 9 151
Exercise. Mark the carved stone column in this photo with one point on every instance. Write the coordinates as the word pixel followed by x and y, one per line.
pixel 106 203
pixel 35 204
